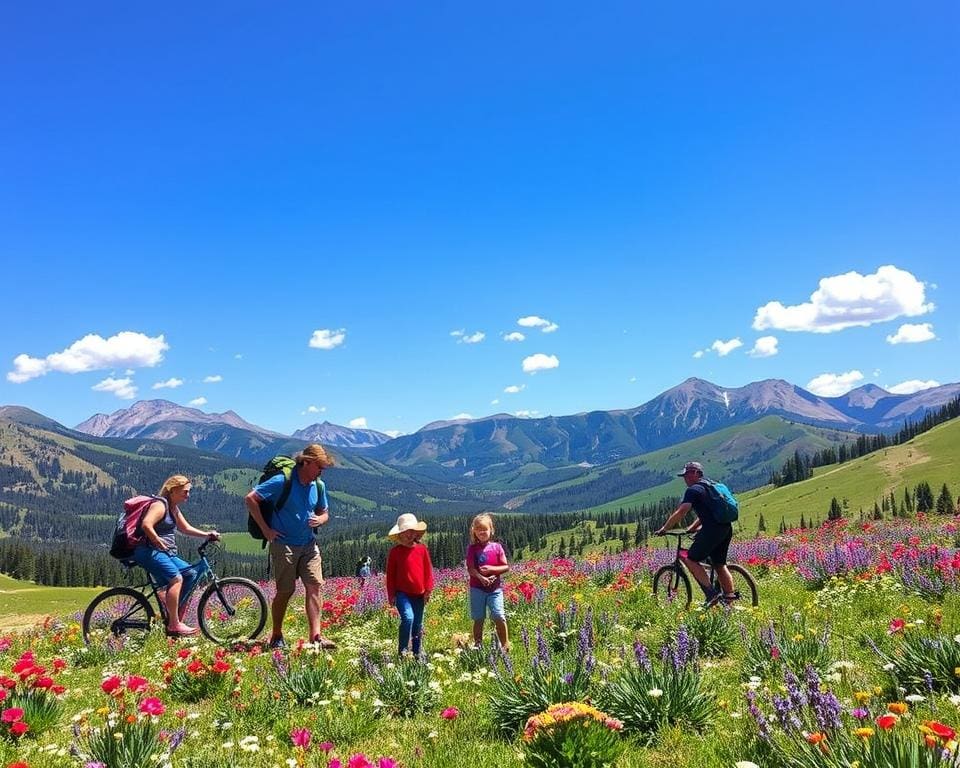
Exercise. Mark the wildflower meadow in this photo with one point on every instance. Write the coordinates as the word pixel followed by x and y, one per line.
pixel 852 658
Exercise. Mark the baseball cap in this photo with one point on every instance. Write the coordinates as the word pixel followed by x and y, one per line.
pixel 691 465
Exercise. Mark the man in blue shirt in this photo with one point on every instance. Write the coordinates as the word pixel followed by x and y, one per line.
pixel 712 539
pixel 291 535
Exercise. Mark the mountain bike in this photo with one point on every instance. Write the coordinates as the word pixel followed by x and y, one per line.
pixel 673 582
pixel 230 609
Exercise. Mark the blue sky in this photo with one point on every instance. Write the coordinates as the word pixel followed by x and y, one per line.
pixel 348 212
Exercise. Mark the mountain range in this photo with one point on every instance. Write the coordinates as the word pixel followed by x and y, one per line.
pixel 464 449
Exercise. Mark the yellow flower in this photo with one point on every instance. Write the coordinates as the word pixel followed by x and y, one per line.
pixel 861 696
pixel 897 707
pixel 798 637
pixel 863 733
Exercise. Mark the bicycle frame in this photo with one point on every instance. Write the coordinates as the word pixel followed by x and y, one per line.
pixel 204 574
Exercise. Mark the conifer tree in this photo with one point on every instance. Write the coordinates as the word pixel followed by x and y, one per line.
pixel 944 501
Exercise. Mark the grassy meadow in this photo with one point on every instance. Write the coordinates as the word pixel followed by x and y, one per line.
pixel 851 658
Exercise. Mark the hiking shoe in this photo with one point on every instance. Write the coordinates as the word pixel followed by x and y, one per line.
pixel 727 599
pixel 277 643
pixel 713 597
pixel 325 643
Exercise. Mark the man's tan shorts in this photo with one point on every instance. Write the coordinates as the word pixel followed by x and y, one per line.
pixel 292 563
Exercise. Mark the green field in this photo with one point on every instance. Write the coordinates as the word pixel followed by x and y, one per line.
pixel 23 604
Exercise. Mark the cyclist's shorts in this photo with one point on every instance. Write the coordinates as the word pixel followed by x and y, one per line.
pixel 162 566
pixel 711 542
pixel 292 563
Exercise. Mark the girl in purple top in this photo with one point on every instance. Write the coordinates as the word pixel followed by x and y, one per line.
pixel 486 563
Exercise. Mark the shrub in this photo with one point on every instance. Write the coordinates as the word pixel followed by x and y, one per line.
pixel 29 698
pixel 550 679
pixel 308 678
pixel 793 646
pixel 920 657
pixel 194 679
pixel 571 735
pixel 645 695
pixel 403 688
pixel 714 632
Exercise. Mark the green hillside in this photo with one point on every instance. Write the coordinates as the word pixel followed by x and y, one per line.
pixel 743 456
pixel 932 457
pixel 23 604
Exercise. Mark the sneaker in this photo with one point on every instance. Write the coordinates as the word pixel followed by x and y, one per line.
pixel 325 643
pixel 278 643
pixel 713 597
pixel 727 599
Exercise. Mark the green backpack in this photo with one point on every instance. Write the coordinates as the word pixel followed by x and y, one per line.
pixel 277 465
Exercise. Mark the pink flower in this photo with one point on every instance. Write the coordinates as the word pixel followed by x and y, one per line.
pixel 152 706
pixel 326 746
pixel 360 760
pixel 895 626
pixel 137 684
pixel 111 684
pixel 450 713
pixel 301 737
pixel 334 763
pixel 387 762
pixel 12 715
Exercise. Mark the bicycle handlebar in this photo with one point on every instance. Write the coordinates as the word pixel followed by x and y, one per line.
pixel 676 532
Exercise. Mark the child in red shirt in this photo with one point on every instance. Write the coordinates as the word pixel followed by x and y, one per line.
pixel 409 579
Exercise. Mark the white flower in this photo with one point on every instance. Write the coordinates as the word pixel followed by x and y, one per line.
pixel 914 698
pixel 654 693
pixel 745 764
pixel 888 667
pixel 955 699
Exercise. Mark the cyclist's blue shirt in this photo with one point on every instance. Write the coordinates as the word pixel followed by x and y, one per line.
pixel 292 519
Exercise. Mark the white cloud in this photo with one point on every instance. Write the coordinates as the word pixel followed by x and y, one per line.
pixel 526 414
pixel 912 333
pixel 700 353
pixel 849 300
pixel 393 433
pixel 911 386
pixel 540 362
pixel 168 384
pixel 834 384
pixel 632 379
pixel 514 388
pixel 532 321
pixel 238 356
pixel 198 401
pixel 724 348
pixel 358 423
pixel 212 379
pixel 125 389
pixel 315 409
pixel 324 338
pixel 93 353
pixel 458 332
pixel 461 416
pixel 495 401
pixel 515 336
pixel 765 346
pixel 473 338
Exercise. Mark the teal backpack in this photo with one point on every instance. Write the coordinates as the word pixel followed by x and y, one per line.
pixel 723 504
pixel 277 465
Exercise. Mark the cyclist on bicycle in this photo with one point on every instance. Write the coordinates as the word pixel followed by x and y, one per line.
pixel 158 552
pixel 712 539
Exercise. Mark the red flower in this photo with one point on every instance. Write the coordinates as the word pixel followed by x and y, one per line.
pixel 111 684
pixel 450 713
pixel 19 728
pixel 137 684
pixel 152 706
pixel 940 730
pixel 886 721
pixel 895 626
pixel 12 715
pixel 18 764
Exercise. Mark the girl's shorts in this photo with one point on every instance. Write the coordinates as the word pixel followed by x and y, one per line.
pixel 481 601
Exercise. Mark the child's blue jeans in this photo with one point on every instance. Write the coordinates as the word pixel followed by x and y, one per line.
pixel 410 608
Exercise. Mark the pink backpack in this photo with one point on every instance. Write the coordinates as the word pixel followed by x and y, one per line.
pixel 128 534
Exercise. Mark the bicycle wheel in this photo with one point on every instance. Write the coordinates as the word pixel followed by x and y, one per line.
pixel 232 609
pixel 671 583
pixel 744 584
pixel 117 613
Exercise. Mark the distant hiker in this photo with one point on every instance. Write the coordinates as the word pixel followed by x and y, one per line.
pixel 486 563
pixel 712 539
pixel 293 547
pixel 364 570
pixel 409 580
pixel 158 552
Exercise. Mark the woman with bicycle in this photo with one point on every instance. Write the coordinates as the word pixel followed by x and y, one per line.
pixel 158 552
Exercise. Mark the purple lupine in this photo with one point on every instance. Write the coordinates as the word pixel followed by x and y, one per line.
pixel 797 697
pixel 763 729
pixel 176 738
pixel 543 650
pixel 642 656
pixel 525 638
